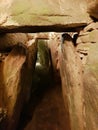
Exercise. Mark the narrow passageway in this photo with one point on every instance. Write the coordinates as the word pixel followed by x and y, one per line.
pixel 48 113
pixel 45 109
pixel 48 65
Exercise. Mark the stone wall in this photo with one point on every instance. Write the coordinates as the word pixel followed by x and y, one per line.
pixel 16 72
pixel 78 67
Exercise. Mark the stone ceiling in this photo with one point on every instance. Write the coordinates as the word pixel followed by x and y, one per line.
pixel 42 15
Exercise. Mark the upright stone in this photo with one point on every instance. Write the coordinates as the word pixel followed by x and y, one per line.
pixel 72 83
pixel 15 82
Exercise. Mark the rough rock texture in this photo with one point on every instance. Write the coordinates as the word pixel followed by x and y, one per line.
pixel 89 53
pixel 54 44
pixel 24 15
pixel 72 83
pixel 88 34
pixel 15 82
pixel 86 41
pixel 91 87
pixel 93 8
pixel 79 76
pixel 8 40
pixel 9 83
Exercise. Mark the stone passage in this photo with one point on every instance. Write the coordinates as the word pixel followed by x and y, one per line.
pixel 25 100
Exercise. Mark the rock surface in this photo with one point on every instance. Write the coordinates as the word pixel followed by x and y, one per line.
pixel 24 15
pixel 88 34
pixel 80 87
pixel 80 82
pixel 8 40
pixel 72 83
pixel 93 8
pixel 54 46
pixel 15 82
pixel 89 57
pixel 87 91
pixel 9 80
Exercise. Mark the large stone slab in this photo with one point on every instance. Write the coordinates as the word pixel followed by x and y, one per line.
pixel 88 49
pixel 80 81
pixel 90 81
pixel 72 83
pixel 29 16
pixel 16 72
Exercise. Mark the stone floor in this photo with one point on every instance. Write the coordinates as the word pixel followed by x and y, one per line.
pixel 48 112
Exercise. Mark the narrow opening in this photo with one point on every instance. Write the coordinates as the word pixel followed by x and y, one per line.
pixel 45 109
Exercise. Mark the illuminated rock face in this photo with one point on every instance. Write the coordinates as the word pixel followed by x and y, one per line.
pixel 17 66
pixel 24 15
pixel 76 66
pixel 79 78
pixel 16 70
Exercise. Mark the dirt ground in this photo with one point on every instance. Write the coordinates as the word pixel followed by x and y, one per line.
pixel 46 111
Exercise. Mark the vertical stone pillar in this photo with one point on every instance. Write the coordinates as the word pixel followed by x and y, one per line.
pixel 72 83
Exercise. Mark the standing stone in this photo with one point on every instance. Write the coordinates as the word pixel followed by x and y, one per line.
pixel 15 82
pixel 72 83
